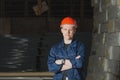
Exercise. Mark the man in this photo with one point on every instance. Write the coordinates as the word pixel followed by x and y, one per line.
pixel 66 58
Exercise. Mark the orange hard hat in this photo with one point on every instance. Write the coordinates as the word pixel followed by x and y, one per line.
pixel 68 21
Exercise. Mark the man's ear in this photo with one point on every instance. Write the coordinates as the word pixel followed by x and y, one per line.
pixel 61 30
pixel 75 31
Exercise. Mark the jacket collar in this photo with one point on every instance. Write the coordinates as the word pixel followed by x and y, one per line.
pixel 73 43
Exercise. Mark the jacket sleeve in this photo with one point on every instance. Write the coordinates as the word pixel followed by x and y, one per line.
pixel 78 63
pixel 52 66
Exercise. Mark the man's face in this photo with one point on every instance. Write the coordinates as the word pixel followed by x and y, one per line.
pixel 68 32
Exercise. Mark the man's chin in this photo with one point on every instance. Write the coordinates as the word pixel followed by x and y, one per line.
pixel 68 38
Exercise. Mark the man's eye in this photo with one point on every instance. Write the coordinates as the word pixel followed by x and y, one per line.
pixel 64 29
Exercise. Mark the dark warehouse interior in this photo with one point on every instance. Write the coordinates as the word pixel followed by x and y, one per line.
pixel 28 25
pixel 29 28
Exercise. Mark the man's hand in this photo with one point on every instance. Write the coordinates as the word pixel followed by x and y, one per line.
pixel 59 61
pixel 77 57
pixel 68 63
pixel 65 67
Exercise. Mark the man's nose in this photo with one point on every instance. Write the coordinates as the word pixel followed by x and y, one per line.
pixel 68 31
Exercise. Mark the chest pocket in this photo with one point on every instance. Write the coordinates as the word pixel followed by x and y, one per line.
pixel 60 54
pixel 72 52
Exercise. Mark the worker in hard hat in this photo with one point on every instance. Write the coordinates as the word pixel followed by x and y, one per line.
pixel 66 58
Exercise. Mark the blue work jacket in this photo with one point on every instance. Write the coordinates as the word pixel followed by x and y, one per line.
pixel 59 51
